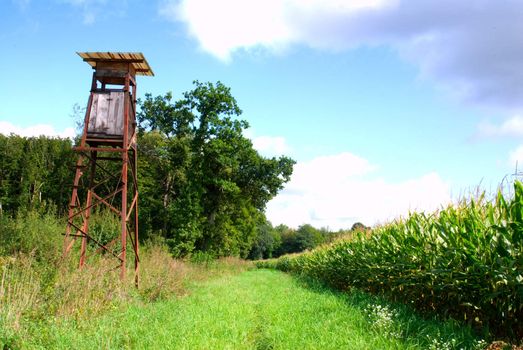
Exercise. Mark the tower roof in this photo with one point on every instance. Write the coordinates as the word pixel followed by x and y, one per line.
pixel 137 59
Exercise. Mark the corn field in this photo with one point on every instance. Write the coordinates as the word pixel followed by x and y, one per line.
pixel 464 262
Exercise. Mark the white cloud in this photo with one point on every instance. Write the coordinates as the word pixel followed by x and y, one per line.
pixel 339 190
pixel 471 48
pixel 271 146
pixel 510 127
pixel 268 146
pixel 222 27
pixel 7 128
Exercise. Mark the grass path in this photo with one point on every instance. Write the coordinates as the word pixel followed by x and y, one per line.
pixel 258 309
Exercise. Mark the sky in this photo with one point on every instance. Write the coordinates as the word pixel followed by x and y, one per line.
pixel 388 106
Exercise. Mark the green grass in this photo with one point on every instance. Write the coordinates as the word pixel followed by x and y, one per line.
pixel 257 309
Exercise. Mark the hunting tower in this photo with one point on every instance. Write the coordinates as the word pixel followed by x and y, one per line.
pixel 107 154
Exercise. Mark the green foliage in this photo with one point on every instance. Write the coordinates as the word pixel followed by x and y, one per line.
pixel 34 170
pixel 203 258
pixel 288 240
pixel 104 226
pixel 32 232
pixel 203 185
pixel 267 241
pixel 358 226
pixel 306 237
pixel 464 261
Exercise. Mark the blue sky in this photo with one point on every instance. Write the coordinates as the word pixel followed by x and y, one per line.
pixel 387 105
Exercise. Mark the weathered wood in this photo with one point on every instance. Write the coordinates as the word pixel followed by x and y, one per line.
pixel 127 60
pixel 107 114
pixel 110 73
pixel 135 60
pixel 113 77
pixel 115 67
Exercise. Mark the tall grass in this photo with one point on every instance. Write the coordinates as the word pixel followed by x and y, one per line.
pixel 19 291
pixel 465 261
pixel 161 275
pixel 38 287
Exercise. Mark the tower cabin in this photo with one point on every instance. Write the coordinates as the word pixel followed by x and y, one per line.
pixel 112 103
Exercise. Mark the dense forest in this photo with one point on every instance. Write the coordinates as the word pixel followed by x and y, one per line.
pixel 203 187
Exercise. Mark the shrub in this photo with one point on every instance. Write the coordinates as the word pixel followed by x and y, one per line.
pixel 36 232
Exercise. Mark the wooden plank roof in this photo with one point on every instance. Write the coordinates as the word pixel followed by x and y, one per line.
pixel 137 59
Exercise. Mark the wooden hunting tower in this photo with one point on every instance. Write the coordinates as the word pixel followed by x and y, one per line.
pixel 107 152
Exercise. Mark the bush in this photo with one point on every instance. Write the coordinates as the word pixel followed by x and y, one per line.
pixel 35 232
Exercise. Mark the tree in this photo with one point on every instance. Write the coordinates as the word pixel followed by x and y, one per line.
pixel 34 170
pixel 358 226
pixel 213 184
pixel 288 244
pixel 266 242
pixel 308 237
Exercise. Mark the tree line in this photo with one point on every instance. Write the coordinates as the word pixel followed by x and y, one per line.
pixel 203 187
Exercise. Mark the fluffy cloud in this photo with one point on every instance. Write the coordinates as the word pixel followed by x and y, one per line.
pixel 268 146
pixel 510 127
pixel 221 27
pixel 472 48
pixel 271 146
pixel 339 190
pixel 7 128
